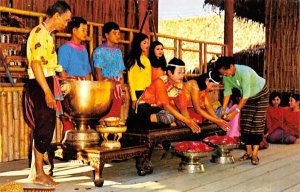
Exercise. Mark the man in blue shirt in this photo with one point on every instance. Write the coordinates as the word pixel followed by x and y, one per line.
pixel 109 65
pixel 73 56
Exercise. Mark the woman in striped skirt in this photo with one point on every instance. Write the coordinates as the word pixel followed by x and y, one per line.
pixel 252 106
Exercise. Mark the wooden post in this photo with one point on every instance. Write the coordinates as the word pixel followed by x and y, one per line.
pixel 27 140
pixel 175 48
pixel 180 49
pixel 205 59
pixel 91 42
pixel 4 126
pixel 10 128
pixel 143 5
pixel 16 123
pixel 228 26
pixel 22 127
pixel 200 57
pixel 1 133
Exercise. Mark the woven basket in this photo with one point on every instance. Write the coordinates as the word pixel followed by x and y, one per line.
pixel 11 187
pixel 39 189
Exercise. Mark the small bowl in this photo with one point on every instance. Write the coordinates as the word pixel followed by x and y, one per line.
pixel 112 121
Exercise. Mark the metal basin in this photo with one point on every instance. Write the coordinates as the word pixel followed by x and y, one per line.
pixel 84 102
pixel 87 100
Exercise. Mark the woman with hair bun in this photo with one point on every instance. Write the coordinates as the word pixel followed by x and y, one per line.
pixel 198 89
pixel 288 130
pixel 252 106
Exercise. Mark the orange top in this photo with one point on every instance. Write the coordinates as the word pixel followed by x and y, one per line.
pixel 157 94
pixel 156 72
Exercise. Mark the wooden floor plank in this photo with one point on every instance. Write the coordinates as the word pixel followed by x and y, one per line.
pixel 177 182
pixel 278 171
pixel 295 188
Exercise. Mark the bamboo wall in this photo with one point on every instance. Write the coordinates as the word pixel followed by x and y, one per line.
pixel 282 54
pixel 15 134
pixel 14 131
pixel 123 12
pixel 253 58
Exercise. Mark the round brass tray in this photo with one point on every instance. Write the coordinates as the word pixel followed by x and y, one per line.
pixel 190 154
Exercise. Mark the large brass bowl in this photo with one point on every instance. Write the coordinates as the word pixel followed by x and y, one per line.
pixel 87 100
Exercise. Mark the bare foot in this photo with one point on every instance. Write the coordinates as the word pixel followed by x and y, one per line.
pixel 45 180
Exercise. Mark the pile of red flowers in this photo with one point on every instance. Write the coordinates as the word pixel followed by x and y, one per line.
pixel 192 146
pixel 220 140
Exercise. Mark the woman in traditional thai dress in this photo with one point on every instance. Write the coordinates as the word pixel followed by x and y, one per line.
pixel 252 106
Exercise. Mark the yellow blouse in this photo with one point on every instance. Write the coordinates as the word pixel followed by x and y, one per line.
pixel 41 47
pixel 139 78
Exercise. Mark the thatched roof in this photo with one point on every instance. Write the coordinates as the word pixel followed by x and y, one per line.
pixel 250 9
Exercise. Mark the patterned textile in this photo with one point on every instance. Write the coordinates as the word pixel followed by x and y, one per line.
pixel 253 113
pixel 58 96
pixel 29 106
pixel 172 90
pixel 165 117
pixel 110 60
pixel 41 47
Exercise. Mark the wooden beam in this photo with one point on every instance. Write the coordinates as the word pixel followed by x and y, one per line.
pixel 143 6
pixel 228 26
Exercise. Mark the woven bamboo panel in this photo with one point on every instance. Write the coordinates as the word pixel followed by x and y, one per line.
pixel 15 134
pixel 282 54
pixel 123 12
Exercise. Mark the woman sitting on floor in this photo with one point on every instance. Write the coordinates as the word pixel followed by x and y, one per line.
pixel 288 131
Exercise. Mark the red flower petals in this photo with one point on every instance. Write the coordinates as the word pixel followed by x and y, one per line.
pixel 192 146
pixel 220 140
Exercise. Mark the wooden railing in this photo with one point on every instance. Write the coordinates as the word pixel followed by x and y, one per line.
pixel 174 46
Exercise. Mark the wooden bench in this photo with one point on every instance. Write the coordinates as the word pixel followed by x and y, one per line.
pixel 153 137
pixel 96 157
